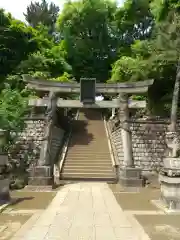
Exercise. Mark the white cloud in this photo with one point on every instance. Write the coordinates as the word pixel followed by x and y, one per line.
pixel 18 7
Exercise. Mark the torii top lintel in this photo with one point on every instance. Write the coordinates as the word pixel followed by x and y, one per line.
pixel 58 87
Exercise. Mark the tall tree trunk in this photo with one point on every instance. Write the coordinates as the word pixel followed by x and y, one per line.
pixel 175 99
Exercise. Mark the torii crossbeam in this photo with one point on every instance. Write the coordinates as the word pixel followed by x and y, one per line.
pixel 113 88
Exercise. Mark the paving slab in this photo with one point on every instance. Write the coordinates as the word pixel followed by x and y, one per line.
pixel 82 211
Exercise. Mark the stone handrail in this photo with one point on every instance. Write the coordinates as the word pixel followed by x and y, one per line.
pixel 113 154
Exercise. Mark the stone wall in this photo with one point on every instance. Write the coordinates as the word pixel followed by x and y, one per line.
pixel 148 140
pixel 28 144
pixel 30 140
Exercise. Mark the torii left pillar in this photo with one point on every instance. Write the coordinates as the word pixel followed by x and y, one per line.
pixel 42 173
pixel 129 175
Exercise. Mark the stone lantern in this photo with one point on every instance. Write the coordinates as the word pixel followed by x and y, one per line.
pixel 169 175
pixel 4 171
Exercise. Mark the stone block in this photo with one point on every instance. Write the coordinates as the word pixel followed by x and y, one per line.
pixel 131 177
pixel 40 176
pixel 131 182
pixel 130 172
pixel 40 171
pixel 40 181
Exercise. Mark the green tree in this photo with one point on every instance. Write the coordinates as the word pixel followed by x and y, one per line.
pixel 47 61
pixel 162 9
pixel 42 13
pixel 128 69
pixel 166 47
pixel 89 37
pixel 16 42
pixel 134 22
pixel 13 107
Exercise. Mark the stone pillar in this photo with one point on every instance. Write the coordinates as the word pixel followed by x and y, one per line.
pixel 33 112
pixel 65 112
pixel 42 173
pixel 129 175
pixel 125 131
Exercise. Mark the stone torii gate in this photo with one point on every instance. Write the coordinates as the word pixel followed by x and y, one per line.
pixel 128 171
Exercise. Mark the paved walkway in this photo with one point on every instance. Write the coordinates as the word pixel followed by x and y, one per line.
pixel 81 211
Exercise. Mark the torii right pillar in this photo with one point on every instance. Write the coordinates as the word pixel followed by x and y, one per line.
pixel 129 175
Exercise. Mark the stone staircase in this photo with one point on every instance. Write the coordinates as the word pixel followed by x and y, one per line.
pixel 88 156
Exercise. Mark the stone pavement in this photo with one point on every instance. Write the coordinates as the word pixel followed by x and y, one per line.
pixel 82 211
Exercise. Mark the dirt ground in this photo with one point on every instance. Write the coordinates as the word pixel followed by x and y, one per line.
pixel 161 227
pixel 31 200
pixel 17 213
pixel 157 226
pixel 10 224
pixel 136 199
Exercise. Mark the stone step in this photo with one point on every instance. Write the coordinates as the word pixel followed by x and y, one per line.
pixel 88 159
pixel 97 167
pixel 90 162
pixel 86 176
pixel 85 142
pixel 89 145
pixel 89 150
pixel 87 163
pixel 87 154
pixel 81 163
pixel 99 152
pixel 88 171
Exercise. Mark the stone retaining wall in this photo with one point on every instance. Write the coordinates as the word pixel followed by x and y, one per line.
pixel 148 140
pixel 28 144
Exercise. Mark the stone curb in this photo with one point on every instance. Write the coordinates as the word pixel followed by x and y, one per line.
pixel 4 206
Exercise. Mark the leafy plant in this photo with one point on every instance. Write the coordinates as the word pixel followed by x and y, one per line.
pixel 13 107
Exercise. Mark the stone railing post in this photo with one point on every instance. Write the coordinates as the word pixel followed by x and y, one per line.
pixel 129 175
pixel 113 112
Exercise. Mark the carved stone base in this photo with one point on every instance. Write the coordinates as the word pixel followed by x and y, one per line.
pixel 170 191
pixel 40 176
pixel 131 177
pixel 171 167
pixel 171 163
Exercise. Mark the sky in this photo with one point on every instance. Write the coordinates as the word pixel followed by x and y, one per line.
pixel 17 7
